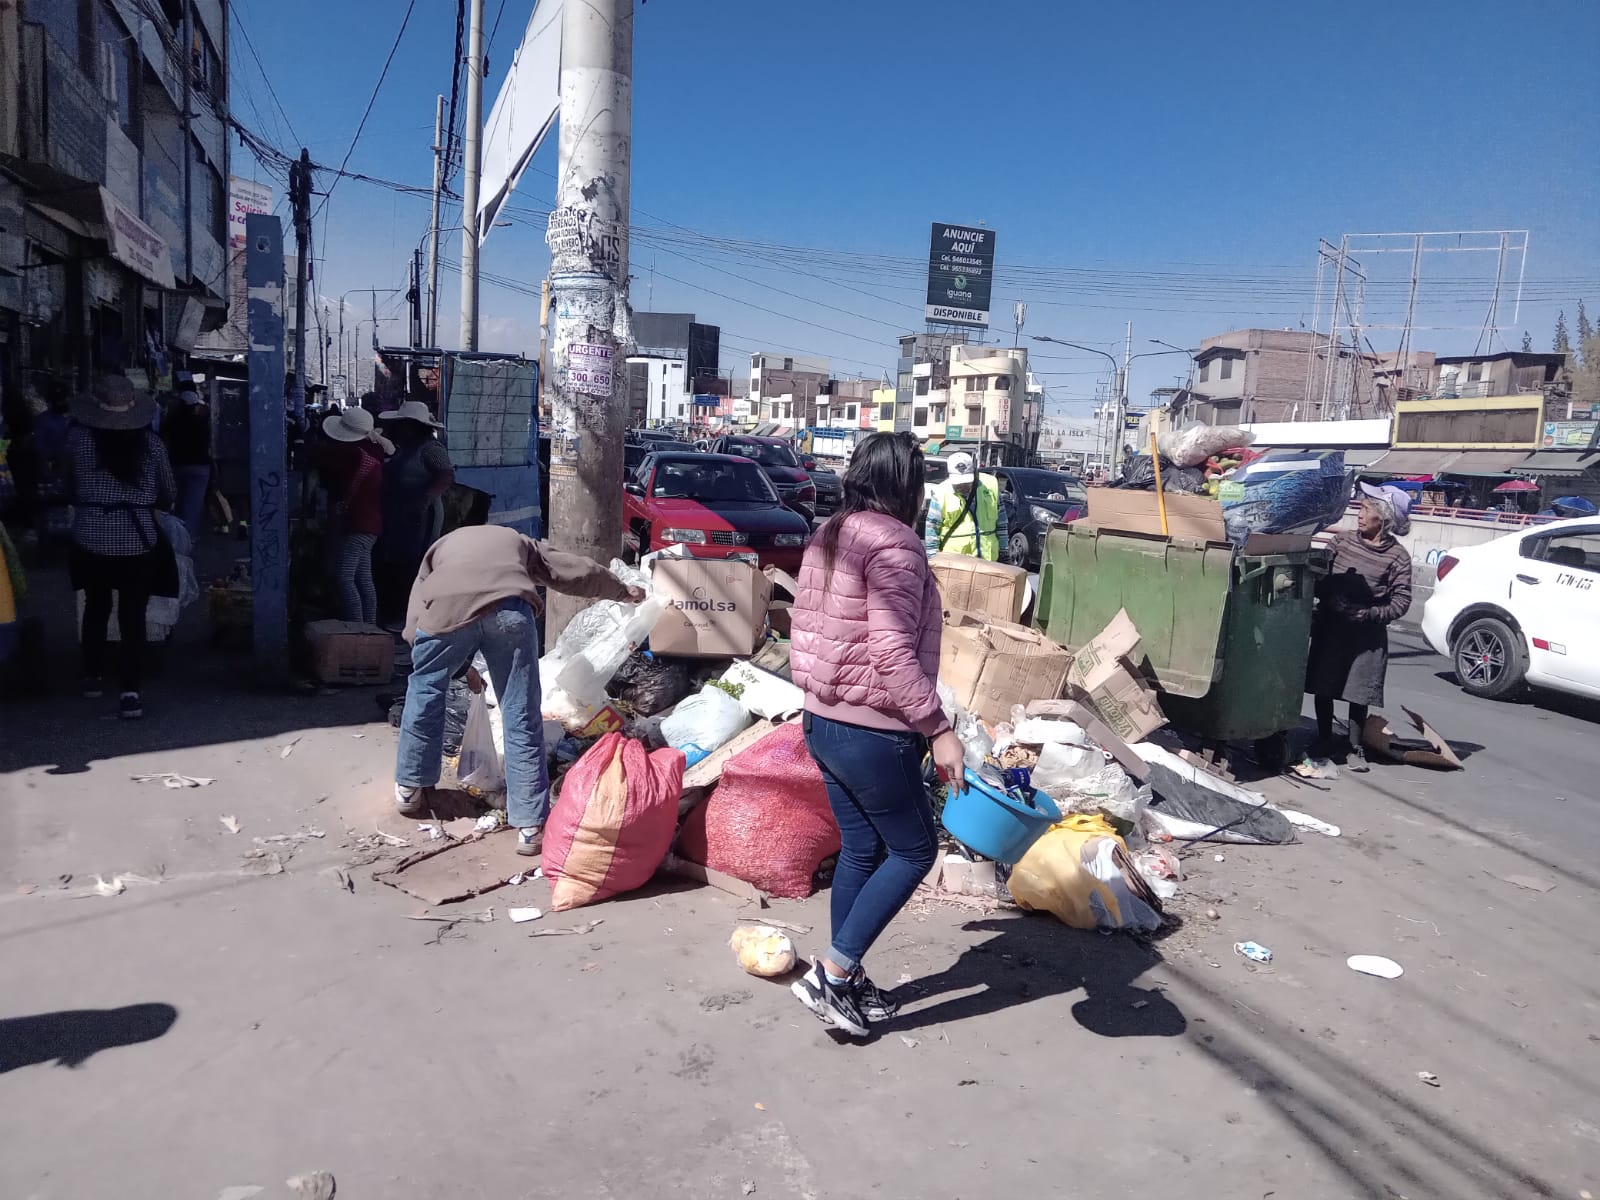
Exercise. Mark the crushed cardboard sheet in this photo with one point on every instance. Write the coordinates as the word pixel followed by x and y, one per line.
pixel 457 870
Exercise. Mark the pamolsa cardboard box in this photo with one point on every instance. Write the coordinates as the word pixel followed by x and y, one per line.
pixel 715 607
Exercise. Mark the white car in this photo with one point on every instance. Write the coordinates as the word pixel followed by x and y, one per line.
pixel 1522 609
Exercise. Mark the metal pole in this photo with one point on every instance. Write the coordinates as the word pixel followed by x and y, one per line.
pixel 588 238
pixel 433 226
pixel 300 197
pixel 269 468
pixel 1122 400
pixel 471 161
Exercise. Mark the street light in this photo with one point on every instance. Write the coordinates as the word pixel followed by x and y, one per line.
pixel 1119 386
pixel 1189 383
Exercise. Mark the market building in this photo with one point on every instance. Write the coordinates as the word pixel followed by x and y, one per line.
pixel 113 171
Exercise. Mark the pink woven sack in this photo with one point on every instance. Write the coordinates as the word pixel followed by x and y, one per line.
pixel 768 821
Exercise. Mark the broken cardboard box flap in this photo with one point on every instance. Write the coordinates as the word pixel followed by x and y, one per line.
pixel 991 665
pixel 1432 751
pixel 1104 672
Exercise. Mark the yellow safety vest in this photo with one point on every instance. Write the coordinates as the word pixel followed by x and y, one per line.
pixel 956 529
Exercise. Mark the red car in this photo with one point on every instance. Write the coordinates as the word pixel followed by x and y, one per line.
pixel 718 505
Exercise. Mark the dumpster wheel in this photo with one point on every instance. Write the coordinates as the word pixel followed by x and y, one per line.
pixel 1272 752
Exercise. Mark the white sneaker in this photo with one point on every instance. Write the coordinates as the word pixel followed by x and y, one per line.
pixel 411 801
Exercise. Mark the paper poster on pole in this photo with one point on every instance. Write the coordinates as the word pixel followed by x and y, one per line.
pixel 589 368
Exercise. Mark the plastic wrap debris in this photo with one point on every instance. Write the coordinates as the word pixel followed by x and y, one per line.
pixel 1081 872
pixel 1192 446
pixel 763 950
pixel 649 684
pixel 480 765
pixel 764 694
pixel 1285 491
pixel 1153 755
pixel 592 647
pixel 1161 869
pixel 1081 778
pixel 1188 811
pixel 1254 951
pixel 703 722
pixel 519 915
pixel 1046 731
pixel 1302 820
pixel 172 779
pixel 1315 768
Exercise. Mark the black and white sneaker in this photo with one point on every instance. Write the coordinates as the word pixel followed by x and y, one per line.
pixel 831 1003
pixel 130 706
pixel 875 1003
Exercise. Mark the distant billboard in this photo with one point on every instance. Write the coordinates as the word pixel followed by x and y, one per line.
pixel 960 274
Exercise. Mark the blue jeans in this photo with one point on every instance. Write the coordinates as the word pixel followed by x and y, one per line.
pixel 874 781
pixel 509 640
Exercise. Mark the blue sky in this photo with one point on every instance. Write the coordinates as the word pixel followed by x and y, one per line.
pixel 1168 163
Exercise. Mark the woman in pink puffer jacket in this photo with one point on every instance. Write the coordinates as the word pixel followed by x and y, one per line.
pixel 866 653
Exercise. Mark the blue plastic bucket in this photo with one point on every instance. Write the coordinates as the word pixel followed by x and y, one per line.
pixel 995 824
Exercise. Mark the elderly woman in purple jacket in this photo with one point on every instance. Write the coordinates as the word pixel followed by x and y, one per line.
pixel 866 653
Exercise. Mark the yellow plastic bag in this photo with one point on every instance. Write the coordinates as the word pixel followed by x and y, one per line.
pixel 1080 871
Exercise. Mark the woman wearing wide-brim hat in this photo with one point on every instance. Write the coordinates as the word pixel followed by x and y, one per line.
pixel 415 480
pixel 120 475
pixel 351 465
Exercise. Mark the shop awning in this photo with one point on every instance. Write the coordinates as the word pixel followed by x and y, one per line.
pixel 1364 456
pixel 1558 463
pixel 1486 462
pixel 1413 462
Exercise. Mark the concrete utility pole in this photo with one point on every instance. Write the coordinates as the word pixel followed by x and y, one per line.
pixel 300 199
pixel 472 164
pixel 1122 403
pixel 588 239
pixel 432 331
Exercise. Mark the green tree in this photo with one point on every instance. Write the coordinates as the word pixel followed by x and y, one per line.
pixel 1527 342
pixel 1585 332
pixel 1562 343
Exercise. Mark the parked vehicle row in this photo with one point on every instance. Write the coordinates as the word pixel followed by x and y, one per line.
pixel 719 505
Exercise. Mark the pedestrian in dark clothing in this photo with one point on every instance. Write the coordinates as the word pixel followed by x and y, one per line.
pixel 415 479
pixel 187 433
pixel 1368 588
pixel 352 468
pixel 120 476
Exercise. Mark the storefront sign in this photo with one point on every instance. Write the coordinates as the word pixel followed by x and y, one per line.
pixel 1568 435
pixel 245 196
pixel 134 244
pixel 589 368
pixel 960 275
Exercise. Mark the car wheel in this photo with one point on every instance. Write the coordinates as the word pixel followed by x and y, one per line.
pixel 1489 659
pixel 632 555
pixel 1019 549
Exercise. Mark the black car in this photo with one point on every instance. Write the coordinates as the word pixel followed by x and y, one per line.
pixel 634 453
pixel 782 465
pixel 1035 500
pixel 830 490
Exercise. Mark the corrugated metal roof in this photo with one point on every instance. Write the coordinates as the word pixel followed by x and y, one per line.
pixel 1557 462
pixel 1414 462
pixel 1486 462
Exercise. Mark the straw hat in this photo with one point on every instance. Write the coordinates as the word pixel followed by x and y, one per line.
pixel 113 403
pixel 348 425
pixel 412 410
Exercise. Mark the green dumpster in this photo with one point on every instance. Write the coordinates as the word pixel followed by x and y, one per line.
pixel 1225 634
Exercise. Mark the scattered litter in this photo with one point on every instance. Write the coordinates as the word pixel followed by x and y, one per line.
pixel 358 736
pixel 1528 881
pixel 277 839
pixel 517 880
pixel 1254 951
pixel 229 822
pixel 240 1192
pixel 586 927
pixel 172 779
pixel 314 1185
pixel 765 920
pixel 26 889
pixel 1373 964
pixel 761 1106
pixel 1429 1078
pixel 1419 921
pixel 1140 1004
pixel 482 918
pixel 1218 858
pixel 748 1187
pixel 490 821
pixel 1302 820
pixel 345 879
pixel 589 966
pixel 1315 768
pixel 911 1042
pixel 262 862
pixel 519 915
pixel 288 748
pixel 763 950
pixel 118 884
pixel 389 839
pixel 435 833
pixel 1213 914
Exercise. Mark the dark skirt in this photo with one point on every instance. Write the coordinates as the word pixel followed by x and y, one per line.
pixel 115 572
pixel 1348 660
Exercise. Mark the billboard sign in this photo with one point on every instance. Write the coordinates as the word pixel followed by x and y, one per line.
pixel 1568 435
pixel 245 196
pixel 960 275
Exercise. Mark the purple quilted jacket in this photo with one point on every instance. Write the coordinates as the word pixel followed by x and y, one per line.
pixel 866 637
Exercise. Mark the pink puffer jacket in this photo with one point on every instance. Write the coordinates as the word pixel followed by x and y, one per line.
pixel 866 637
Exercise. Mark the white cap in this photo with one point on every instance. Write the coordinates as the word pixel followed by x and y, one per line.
pixel 961 468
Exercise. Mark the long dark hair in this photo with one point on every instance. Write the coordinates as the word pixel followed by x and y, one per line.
pixel 884 476
pixel 122 453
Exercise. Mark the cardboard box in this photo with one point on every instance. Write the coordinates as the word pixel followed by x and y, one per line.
pixel 992 665
pixel 350 652
pixel 1104 671
pixel 976 585
pixel 1131 511
pixel 785 591
pixel 715 607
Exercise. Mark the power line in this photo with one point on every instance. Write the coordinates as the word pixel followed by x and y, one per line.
pixel 238 22
pixel 371 100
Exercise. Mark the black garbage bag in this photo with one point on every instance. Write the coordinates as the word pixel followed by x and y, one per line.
pixel 1190 811
pixel 649 684
pixel 1139 474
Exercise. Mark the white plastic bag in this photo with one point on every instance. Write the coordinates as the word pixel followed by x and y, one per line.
pixel 480 765
pixel 703 722
pixel 1192 446
pixel 764 694
pixel 594 644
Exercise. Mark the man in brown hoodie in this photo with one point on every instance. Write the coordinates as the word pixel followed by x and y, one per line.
pixel 477 590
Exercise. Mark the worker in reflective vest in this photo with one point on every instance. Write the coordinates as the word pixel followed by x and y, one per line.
pixel 965 515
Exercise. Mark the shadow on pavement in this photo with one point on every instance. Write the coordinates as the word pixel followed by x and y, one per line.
pixel 1032 957
pixel 70 1038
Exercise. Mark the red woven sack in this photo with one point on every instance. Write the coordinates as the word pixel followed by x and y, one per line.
pixel 612 823
pixel 768 821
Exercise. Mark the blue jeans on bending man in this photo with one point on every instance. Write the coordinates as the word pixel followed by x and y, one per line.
pixel 508 638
